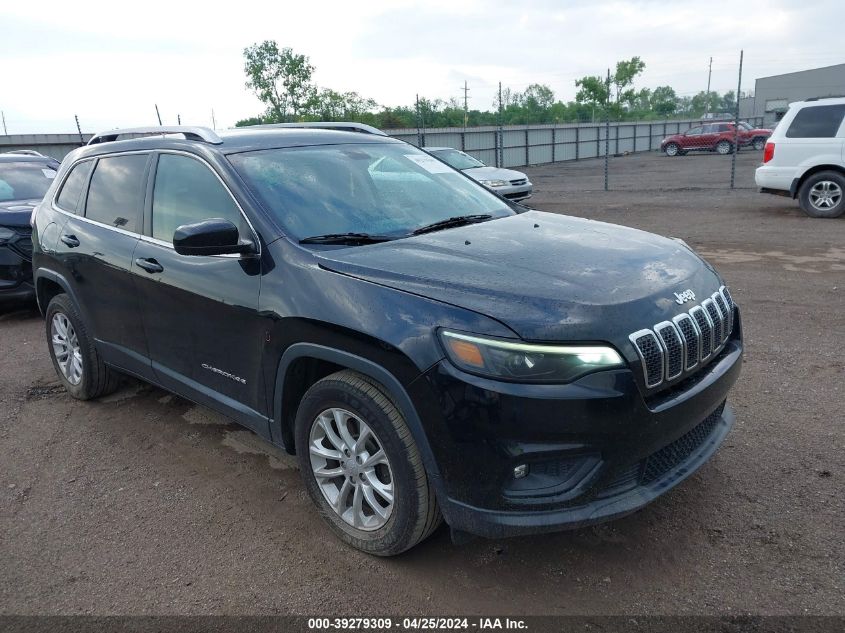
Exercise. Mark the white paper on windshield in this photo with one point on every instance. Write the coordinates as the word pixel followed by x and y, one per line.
pixel 429 163
pixel 49 173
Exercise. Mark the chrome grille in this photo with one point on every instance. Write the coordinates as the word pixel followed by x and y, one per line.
pixel 519 181
pixel 674 347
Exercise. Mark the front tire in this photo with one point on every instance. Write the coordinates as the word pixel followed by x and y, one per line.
pixel 823 195
pixel 361 466
pixel 759 144
pixel 75 358
pixel 672 149
pixel 724 147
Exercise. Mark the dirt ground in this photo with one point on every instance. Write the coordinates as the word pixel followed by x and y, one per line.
pixel 144 503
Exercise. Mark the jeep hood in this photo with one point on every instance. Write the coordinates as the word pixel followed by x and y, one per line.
pixel 546 276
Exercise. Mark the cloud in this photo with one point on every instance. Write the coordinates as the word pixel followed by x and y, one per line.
pixel 110 64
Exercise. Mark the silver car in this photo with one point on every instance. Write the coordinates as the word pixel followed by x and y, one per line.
pixel 513 185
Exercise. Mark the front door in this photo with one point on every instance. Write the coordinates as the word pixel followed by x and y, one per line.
pixel 96 246
pixel 200 313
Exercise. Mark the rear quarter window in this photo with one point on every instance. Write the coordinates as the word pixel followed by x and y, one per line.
pixel 68 198
pixel 817 122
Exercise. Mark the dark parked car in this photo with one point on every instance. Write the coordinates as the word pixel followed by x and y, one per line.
pixel 428 349
pixel 24 179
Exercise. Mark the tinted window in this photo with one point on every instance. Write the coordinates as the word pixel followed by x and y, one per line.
pixel 74 183
pixel 378 188
pixel 817 122
pixel 25 180
pixel 186 191
pixel 116 191
pixel 724 127
pixel 694 131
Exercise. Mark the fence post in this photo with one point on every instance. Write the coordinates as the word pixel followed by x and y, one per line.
pixel 617 137
pixel 463 141
pixel 736 124
pixel 650 136
pixel 527 161
pixel 577 141
pixel 554 143
pixel 598 141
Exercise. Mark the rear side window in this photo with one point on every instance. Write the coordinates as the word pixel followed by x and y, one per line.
pixel 816 122
pixel 72 188
pixel 116 191
pixel 185 192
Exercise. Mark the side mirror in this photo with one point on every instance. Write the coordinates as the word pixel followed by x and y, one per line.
pixel 210 237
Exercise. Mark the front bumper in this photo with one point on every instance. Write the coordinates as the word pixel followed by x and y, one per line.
pixel 595 449
pixel 15 274
pixel 515 192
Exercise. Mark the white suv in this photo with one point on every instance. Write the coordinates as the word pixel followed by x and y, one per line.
pixel 805 157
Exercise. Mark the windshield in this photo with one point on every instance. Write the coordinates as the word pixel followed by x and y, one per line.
pixel 24 181
pixel 374 188
pixel 457 159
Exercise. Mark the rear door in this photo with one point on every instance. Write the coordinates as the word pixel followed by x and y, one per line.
pixel 200 313
pixel 95 247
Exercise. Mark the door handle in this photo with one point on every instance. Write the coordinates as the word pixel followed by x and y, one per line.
pixel 70 240
pixel 150 265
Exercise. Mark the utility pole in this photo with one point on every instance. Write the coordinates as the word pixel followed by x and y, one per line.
pixel 179 119
pixel 213 120
pixel 157 114
pixel 5 131
pixel 707 95
pixel 79 129
pixel 736 123
pixel 466 110
pixel 419 117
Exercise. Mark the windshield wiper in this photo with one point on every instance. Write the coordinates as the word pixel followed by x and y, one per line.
pixel 458 220
pixel 345 238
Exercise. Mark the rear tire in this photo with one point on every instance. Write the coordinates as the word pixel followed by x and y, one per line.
pixel 759 144
pixel 75 358
pixel 396 505
pixel 823 195
pixel 724 147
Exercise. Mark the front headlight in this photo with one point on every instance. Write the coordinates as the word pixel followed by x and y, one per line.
pixel 6 234
pixel 526 362
pixel 494 183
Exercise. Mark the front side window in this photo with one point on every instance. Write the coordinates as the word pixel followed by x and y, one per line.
pixel 458 160
pixel 25 180
pixel 74 184
pixel 694 131
pixel 817 122
pixel 115 195
pixel 186 192
pixel 386 189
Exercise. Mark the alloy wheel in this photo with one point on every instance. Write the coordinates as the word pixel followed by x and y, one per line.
pixel 351 468
pixel 724 147
pixel 671 149
pixel 66 348
pixel 825 195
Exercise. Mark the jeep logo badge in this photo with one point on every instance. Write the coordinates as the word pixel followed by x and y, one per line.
pixel 683 297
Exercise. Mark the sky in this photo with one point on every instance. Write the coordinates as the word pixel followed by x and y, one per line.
pixel 111 64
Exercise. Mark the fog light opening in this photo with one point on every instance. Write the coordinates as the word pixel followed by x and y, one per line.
pixel 520 471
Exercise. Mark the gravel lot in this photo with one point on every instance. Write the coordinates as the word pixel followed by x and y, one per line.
pixel 144 503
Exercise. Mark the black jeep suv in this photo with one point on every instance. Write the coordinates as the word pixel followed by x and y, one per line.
pixel 428 349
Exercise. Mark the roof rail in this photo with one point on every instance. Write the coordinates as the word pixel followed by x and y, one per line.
pixel 827 97
pixel 345 126
pixel 190 132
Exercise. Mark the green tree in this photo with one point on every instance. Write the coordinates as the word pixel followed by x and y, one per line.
pixel 664 101
pixel 623 79
pixel 592 91
pixel 280 78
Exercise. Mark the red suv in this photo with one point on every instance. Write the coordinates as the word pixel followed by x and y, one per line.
pixel 715 137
